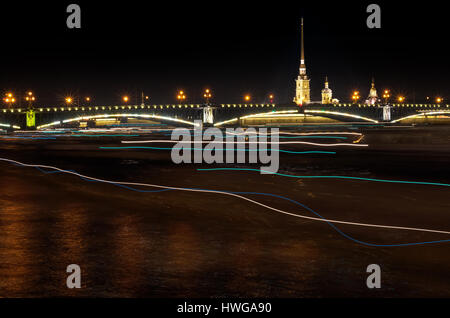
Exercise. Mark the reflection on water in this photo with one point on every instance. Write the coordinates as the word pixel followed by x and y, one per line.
pixel 16 250
pixel 124 253
pixel 19 265
pixel 69 230
pixel 130 248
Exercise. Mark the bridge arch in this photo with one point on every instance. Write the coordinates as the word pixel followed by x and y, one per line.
pixel 422 115
pixel 270 114
pixel 119 115
pixel 326 113
pixel 296 112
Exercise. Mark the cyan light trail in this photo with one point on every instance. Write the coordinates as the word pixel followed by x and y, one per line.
pixel 326 177
pixel 237 194
pixel 201 149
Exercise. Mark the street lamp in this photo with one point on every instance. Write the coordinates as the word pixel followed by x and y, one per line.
pixel 439 100
pixel 9 99
pixel 207 95
pixel 386 95
pixel 181 96
pixel 88 99
pixel 69 100
pixel 125 99
pixel 355 96
pixel 30 99
pixel 247 98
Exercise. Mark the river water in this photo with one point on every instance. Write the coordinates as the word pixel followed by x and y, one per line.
pixel 186 244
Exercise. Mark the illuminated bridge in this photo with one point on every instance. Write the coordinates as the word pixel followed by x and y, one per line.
pixel 219 114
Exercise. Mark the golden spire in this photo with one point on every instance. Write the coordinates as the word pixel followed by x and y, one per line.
pixel 302 54
pixel 302 45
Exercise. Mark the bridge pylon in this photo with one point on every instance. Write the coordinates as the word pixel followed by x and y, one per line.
pixel 208 115
pixel 31 119
pixel 386 112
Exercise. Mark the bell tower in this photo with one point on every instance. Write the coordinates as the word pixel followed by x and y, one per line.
pixel 327 93
pixel 302 90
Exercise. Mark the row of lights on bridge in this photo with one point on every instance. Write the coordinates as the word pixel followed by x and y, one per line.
pixel 10 99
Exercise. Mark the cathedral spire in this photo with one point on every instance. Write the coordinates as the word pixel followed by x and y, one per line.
pixel 302 54
pixel 302 43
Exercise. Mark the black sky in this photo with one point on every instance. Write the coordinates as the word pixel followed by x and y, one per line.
pixel 233 47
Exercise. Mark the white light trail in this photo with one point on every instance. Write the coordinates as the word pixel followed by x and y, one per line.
pixel 297 134
pixel 242 142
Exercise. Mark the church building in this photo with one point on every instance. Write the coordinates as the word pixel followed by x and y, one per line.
pixel 302 90
pixel 327 93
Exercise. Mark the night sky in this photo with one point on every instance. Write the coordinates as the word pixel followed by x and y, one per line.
pixel 232 47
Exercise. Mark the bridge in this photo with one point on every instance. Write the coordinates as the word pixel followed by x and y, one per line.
pixel 218 114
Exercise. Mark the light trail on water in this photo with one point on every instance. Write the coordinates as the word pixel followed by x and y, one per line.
pixel 325 177
pixel 201 149
pixel 242 142
pixel 239 195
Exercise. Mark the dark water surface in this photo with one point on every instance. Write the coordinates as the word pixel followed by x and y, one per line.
pixel 170 244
